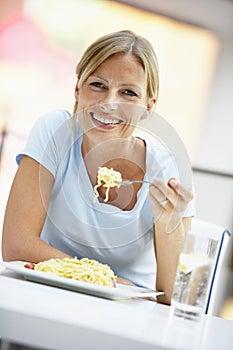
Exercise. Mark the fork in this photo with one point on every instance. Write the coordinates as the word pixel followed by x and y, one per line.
pixel 129 182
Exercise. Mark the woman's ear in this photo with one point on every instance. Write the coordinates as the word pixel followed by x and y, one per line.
pixel 151 103
pixel 76 92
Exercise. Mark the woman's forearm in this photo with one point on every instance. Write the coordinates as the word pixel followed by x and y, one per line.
pixel 32 249
pixel 167 249
pixel 25 214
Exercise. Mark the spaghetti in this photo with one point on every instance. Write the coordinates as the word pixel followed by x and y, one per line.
pixel 110 178
pixel 85 270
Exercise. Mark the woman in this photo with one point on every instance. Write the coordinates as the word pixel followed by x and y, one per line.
pixel 51 212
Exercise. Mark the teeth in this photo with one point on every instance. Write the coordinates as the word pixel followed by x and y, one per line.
pixel 105 121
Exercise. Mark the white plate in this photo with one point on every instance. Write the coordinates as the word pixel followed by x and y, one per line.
pixel 120 292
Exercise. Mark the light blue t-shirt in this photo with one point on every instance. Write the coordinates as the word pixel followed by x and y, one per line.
pixel 80 227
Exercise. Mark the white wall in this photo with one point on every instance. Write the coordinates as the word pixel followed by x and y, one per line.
pixel 215 150
pixel 214 199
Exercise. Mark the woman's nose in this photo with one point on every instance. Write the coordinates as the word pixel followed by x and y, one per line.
pixel 109 102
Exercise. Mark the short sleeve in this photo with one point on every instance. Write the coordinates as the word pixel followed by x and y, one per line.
pixel 46 139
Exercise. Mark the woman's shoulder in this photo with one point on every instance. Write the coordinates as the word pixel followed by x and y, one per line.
pixel 54 124
pixel 55 118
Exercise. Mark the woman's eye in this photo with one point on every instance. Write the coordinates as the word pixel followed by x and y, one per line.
pixel 130 93
pixel 97 84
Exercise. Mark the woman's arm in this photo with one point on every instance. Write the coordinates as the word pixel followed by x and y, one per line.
pixel 167 250
pixel 25 214
pixel 169 231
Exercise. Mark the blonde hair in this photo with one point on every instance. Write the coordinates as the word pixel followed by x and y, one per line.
pixel 121 42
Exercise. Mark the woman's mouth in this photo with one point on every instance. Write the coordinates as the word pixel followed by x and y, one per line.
pixel 109 122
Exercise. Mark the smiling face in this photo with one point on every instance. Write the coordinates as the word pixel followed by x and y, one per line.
pixel 113 98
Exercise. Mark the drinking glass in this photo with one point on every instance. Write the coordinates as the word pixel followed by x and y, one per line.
pixel 193 276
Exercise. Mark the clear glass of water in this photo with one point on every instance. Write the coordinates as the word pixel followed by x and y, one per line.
pixel 194 272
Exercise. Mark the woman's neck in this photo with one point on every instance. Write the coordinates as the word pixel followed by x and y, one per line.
pixel 108 149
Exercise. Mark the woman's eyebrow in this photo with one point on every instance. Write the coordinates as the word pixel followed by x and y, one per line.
pixel 97 77
pixel 124 84
pixel 131 85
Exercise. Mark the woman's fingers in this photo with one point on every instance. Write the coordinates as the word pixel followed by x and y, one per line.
pixel 158 191
pixel 172 192
pixel 183 192
pixel 124 281
pixel 177 198
pixel 161 191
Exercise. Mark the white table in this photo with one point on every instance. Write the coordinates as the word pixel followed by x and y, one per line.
pixel 50 317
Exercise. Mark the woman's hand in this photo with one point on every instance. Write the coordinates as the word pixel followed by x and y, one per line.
pixel 124 281
pixel 168 202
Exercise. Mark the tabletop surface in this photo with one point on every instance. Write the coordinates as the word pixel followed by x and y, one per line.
pixel 55 318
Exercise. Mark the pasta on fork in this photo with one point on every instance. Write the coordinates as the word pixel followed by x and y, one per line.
pixel 110 178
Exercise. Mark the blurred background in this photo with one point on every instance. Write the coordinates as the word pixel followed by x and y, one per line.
pixel 42 40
